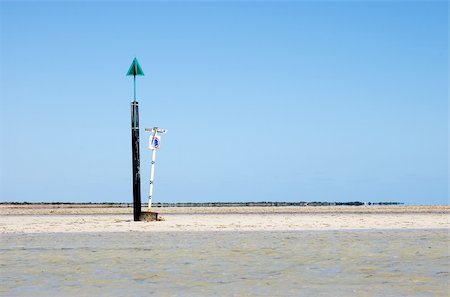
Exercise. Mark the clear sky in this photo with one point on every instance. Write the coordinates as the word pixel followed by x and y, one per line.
pixel 264 101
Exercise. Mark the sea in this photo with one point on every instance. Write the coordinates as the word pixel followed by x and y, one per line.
pixel 226 263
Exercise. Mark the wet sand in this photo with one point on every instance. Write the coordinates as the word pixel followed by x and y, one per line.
pixel 76 218
pixel 75 250
pixel 364 263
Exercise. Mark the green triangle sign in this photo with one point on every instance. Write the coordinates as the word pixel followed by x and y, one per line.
pixel 135 68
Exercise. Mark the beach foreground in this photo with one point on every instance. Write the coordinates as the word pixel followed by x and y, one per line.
pixel 388 263
pixel 270 251
pixel 75 218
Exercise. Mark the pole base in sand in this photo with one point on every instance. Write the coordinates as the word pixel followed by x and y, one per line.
pixel 148 216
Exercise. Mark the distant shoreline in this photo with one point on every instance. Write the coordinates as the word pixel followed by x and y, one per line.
pixel 127 208
pixel 205 204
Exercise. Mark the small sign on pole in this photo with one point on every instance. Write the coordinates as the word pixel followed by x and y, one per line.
pixel 154 145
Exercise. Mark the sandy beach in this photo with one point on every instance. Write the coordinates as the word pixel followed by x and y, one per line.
pixel 86 250
pixel 103 218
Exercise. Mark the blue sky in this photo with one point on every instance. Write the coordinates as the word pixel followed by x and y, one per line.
pixel 264 101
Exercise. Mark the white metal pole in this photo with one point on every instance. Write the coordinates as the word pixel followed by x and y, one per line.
pixel 152 177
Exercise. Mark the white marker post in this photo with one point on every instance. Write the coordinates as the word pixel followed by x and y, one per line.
pixel 153 145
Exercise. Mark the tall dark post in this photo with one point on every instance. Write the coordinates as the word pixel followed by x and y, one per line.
pixel 136 160
pixel 135 69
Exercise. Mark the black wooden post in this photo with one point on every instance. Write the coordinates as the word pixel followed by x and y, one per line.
pixel 136 160
pixel 135 69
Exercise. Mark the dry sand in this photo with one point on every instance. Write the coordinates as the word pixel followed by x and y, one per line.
pixel 104 218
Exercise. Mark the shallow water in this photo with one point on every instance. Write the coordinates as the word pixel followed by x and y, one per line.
pixel 311 263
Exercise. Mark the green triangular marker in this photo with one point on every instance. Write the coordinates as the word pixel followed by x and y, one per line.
pixel 135 68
